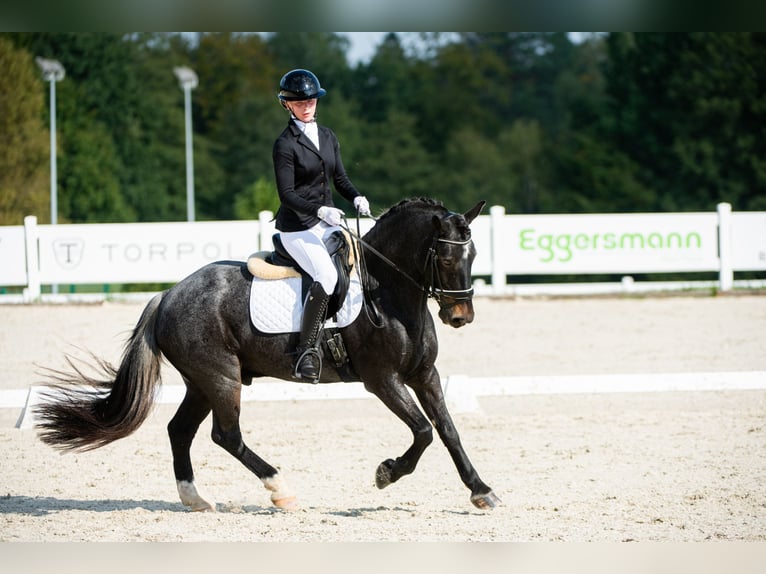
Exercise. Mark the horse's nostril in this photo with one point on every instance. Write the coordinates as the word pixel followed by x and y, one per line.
pixel 458 321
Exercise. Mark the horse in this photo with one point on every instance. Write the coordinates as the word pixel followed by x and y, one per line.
pixel 201 325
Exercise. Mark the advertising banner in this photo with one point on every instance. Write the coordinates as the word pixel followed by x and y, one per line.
pixel 13 257
pixel 748 240
pixel 139 252
pixel 610 243
pixel 546 244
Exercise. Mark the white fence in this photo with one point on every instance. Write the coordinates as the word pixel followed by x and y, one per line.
pixel 721 242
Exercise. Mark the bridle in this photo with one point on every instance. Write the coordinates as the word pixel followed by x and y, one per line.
pixel 433 286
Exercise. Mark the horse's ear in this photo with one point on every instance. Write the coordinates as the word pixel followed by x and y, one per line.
pixel 471 214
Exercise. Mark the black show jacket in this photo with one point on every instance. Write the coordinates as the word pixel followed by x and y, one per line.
pixel 303 176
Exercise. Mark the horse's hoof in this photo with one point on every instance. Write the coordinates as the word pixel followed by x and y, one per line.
pixel 383 473
pixel 486 501
pixel 286 503
pixel 202 506
pixel 189 496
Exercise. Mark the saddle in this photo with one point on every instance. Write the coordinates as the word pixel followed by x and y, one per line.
pixel 278 264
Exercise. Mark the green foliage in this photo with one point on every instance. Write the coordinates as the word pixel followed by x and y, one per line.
pixel 531 121
pixel 24 145
pixel 261 196
pixel 89 188
pixel 243 149
pixel 689 109
pixel 394 165
pixel 324 53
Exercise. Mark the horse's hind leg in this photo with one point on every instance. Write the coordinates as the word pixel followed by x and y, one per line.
pixel 227 434
pixel 181 430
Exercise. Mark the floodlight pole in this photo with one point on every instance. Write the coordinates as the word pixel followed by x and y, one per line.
pixel 53 72
pixel 188 81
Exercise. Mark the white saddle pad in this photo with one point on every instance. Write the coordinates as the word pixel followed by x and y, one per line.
pixel 276 305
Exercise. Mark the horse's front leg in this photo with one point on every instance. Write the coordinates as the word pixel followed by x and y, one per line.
pixel 431 398
pixel 398 399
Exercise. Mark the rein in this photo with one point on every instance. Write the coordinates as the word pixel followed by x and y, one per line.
pixel 433 287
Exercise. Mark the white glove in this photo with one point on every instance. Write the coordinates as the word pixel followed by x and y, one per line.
pixel 330 215
pixel 362 205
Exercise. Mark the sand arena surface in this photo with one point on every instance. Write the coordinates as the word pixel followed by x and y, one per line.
pixel 677 466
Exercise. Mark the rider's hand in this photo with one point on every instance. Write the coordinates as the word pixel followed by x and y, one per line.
pixel 362 205
pixel 330 215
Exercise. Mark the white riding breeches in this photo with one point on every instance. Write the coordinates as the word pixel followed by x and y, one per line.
pixel 309 251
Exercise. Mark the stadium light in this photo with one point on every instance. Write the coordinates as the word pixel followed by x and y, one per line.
pixel 188 81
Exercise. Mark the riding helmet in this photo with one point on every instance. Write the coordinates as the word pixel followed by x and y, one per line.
pixel 298 85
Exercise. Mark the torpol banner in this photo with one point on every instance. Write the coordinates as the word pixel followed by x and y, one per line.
pixel 139 253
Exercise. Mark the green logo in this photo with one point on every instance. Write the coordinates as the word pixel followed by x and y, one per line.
pixel 562 247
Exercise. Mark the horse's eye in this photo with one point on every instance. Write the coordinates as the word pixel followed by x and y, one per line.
pixel 447 261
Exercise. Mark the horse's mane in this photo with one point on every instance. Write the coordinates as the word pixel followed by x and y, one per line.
pixel 413 203
pixel 428 205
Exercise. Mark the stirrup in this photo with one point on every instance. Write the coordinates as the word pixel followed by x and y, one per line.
pixel 311 351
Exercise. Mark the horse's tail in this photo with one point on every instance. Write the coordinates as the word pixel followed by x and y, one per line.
pixel 110 405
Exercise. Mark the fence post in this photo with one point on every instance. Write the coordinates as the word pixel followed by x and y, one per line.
pixel 31 239
pixel 265 230
pixel 726 271
pixel 497 214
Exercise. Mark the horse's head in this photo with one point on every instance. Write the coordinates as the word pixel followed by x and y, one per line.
pixel 452 256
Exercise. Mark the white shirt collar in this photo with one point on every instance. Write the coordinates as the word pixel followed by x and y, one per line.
pixel 310 129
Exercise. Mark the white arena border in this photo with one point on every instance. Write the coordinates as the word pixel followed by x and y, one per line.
pixel 461 391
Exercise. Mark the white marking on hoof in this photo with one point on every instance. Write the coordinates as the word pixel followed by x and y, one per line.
pixel 281 495
pixel 191 498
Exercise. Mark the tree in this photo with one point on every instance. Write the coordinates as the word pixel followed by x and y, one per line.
pixel 232 68
pixel 386 84
pixel 531 121
pixel 261 196
pixel 689 109
pixel 479 169
pixel 394 165
pixel 89 188
pixel 463 87
pixel 524 170
pixel 324 53
pixel 24 148
pixel 594 176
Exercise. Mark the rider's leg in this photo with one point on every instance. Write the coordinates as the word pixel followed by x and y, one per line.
pixel 308 250
pixel 308 365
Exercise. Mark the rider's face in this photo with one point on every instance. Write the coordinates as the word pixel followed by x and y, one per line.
pixel 304 110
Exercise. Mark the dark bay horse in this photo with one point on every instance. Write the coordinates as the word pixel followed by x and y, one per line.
pixel 202 326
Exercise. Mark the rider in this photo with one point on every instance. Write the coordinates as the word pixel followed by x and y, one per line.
pixel 306 159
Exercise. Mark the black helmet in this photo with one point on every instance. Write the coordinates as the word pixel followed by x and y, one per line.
pixel 298 85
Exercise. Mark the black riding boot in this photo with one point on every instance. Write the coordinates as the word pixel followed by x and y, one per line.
pixel 308 365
